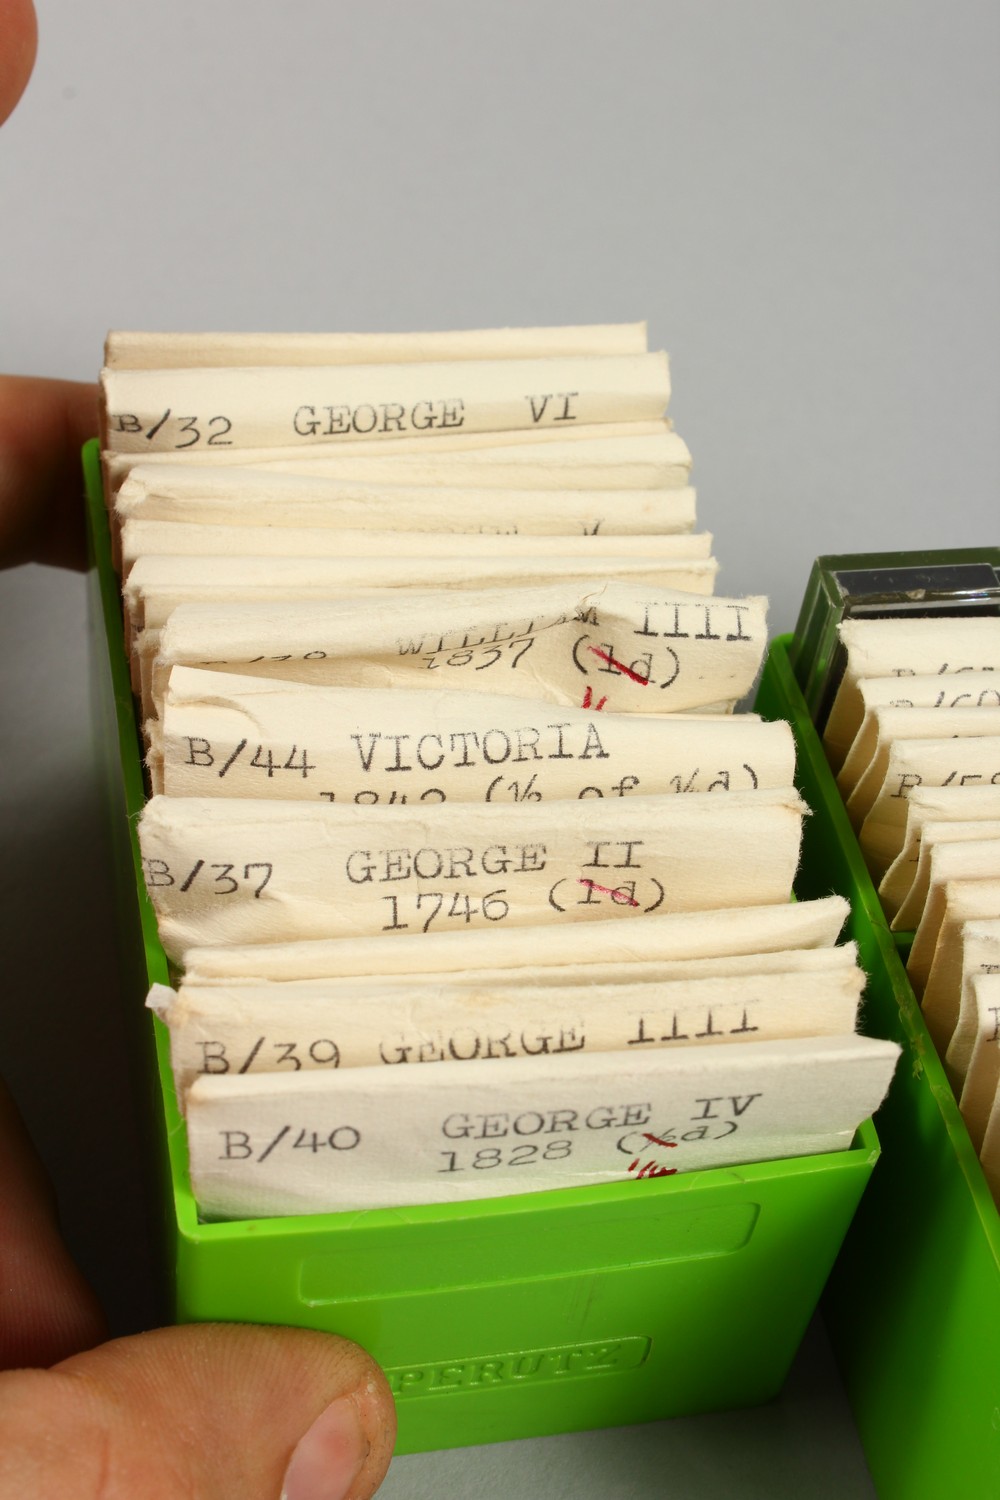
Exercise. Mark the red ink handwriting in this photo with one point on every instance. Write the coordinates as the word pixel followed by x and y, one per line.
pixel 588 700
pixel 619 665
pixel 650 1168
pixel 606 890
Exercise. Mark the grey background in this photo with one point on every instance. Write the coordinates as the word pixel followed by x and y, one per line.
pixel 800 197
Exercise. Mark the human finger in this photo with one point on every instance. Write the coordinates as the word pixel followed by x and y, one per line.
pixel 207 1411
pixel 47 1310
pixel 18 45
pixel 43 425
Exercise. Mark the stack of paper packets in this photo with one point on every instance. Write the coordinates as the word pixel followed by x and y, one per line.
pixel 914 735
pixel 438 707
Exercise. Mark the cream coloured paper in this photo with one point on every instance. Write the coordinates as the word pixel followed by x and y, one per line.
pixel 449 444
pixel 194 765
pixel 125 349
pixel 438 441
pixel 979 860
pixel 980 955
pixel 894 724
pixel 937 832
pixel 247 871
pixel 982 1079
pixel 117 466
pixel 341 1024
pixel 963 901
pixel 640 650
pixel 225 735
pixel 188 539
pixel 261 499
pixel 827 963
pixel 935 964
pixel 949 690
pixel 522 1125
pixel 949 803
pixel 256 407
pixel 157 585
pixel 674 937
pixel 904 648
pixel 912 763
pixel 658 459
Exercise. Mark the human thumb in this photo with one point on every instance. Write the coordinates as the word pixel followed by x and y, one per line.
pixel 204 1412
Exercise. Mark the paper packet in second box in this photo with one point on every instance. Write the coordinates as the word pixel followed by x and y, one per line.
pixel 982 1080
pixel 956 761
pixel 904 648
pixel 949 690
pixel 980 956
pixel 948 804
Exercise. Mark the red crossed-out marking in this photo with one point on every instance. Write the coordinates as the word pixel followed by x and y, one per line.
pixel 607 890
pixel 650 1168
pixel 620 665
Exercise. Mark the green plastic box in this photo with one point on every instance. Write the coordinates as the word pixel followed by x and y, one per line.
pixel 913 1305
pixel 515 1317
